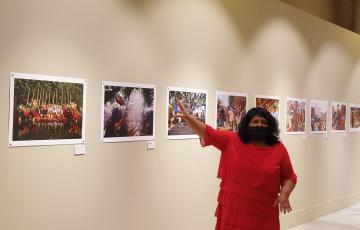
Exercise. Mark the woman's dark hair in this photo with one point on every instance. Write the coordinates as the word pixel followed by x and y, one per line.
pixel 273 127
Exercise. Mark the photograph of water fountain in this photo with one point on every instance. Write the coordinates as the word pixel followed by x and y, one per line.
pixel 127 112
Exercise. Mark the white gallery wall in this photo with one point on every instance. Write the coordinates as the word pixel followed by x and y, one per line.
pixel 246 46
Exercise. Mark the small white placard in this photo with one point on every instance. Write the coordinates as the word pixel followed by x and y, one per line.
pixel 79 149
pixel 345 135
pixel 151 145
pixel 304 137
pixel 325 136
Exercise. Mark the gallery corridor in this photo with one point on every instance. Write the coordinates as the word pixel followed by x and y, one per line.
pixel 346 219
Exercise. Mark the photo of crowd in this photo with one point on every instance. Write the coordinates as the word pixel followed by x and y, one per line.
pixel 295 116
pixel 128 111
pixel 338 118
pixel 46 110
pixel 354 117
pixel 272 104
pixel 230 110
pixel 194 102
pixel 318 116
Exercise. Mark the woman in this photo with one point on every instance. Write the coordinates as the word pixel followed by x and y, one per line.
pixel 256 174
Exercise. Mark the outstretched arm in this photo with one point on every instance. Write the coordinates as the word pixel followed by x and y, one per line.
pixel 197 126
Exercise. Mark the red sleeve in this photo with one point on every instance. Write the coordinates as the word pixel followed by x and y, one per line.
pixel 219 139
pixel 286 169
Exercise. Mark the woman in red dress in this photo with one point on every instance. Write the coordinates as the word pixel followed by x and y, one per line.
pixel 256 174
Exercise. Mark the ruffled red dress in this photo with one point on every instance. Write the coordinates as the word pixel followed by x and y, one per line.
pixel 250 181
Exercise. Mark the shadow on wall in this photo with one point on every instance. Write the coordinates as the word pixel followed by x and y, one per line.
pixel 330 64
pixel 284 66
pixel 136 4
pixel 354 82
pixel 192 36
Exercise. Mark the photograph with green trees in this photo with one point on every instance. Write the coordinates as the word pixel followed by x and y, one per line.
pixel 194 101
pixel 46 110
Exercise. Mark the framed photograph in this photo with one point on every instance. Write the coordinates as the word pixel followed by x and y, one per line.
pixel 338 116
pixel 354 118
pixel 195 102
pixel 295 116
pixel 127 112
pixel 271 103
pixel 230 110
pixel 46 110
pixel 318 116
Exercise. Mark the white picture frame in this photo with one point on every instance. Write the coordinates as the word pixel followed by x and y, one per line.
pixel 224 95
pixel 319 110
pixel 338 117
pixel 275 100
pixel 354 121
pixel 176 125
pixel 295 116
pixel 39 119
pixel 137 113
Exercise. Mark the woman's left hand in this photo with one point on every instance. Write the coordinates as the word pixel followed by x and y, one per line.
pixel 283 202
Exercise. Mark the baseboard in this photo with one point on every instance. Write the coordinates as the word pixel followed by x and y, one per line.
pixel 315 211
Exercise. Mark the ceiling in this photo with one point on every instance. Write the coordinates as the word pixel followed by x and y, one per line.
pixel 344 13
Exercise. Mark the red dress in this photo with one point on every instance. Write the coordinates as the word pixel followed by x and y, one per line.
pixel 250 181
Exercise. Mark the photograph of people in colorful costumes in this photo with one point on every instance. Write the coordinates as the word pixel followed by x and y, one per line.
pixel 47 110
pixel 270 103
pixel 338 116
pixel 355 118
pixel 230 109
pixel 318 116
pixel 295 115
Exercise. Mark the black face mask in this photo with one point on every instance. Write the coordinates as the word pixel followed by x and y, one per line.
pixel 258 133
